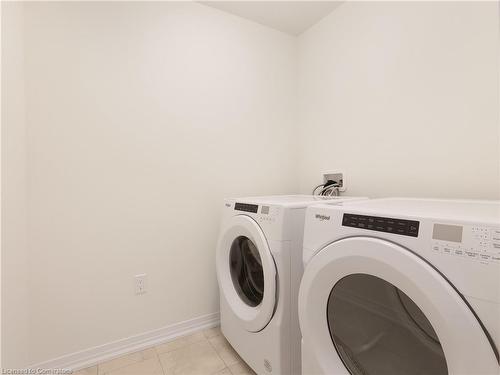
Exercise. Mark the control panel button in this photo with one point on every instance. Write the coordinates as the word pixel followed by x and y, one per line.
pixel 448 250
pixel 484 257
pixel 471 255
pixel 458 252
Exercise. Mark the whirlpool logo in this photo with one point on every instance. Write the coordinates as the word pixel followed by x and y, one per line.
pixel 322 217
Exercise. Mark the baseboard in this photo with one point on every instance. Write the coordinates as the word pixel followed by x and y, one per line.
pixel 92 356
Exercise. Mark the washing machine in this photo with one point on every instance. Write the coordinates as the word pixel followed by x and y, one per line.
pixel 259 266
pixel 401 286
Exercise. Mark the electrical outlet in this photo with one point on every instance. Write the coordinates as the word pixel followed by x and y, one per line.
pixel 141 285
pixel 338 177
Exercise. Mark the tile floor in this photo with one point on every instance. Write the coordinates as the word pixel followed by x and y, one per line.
pixel 202 353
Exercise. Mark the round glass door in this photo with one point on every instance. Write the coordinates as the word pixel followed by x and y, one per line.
pixel 246 271
pixel 378 329
pixel 245 266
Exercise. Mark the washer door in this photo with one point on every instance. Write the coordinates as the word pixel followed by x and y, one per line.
pixel 368 306
pixel 246 272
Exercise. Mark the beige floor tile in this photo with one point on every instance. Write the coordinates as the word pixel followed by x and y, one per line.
pixel 148 367
pixel 223 372
pixel 199 358
pixel 241 368
pixel 180 342
pixel 87 371
pixel 149 353
pixel 212 332
pixel 126 360
pixel 225 350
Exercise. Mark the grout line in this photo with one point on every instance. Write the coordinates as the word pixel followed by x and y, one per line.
pixel 225 364
pixel 216 352
pixel 157 355
pixel 143 358
pixel 228 346
pixel 161 364
pixel 180 348
pixel 158 359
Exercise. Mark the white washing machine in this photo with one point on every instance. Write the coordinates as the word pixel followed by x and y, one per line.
pixel 259 266
pixel 401 286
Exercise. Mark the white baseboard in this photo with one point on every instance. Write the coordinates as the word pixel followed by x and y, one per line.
pixel 92 356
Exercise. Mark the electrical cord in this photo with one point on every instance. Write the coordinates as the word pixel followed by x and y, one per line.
pixel 331 191
pixel 316 188
pixel 329 188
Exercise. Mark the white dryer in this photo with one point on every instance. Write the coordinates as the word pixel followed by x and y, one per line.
pixel 259 266
pixel 401 286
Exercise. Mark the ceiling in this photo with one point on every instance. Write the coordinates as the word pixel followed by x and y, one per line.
pixel 292 17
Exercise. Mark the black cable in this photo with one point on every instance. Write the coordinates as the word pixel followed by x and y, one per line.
pixel 327 185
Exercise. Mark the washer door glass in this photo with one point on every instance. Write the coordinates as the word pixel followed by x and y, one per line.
pixel 246 271
pixel 378 329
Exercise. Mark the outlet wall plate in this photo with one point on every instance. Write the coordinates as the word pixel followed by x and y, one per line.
pixel 140 283
pixel 337 176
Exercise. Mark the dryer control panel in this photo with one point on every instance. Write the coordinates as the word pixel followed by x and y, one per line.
pixel 246 207
pixel 382 224
pixel 264 213
pixel 471 242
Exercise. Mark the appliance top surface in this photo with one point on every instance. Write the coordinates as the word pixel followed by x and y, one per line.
pixel 467 210
pixel 294 200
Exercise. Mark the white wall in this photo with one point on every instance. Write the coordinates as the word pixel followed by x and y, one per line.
pixel 129 122
pixel 403 97
pixel 15 304
pixel 141 117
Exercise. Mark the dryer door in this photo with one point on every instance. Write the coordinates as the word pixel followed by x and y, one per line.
pixel 368 306
pixel 246 272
